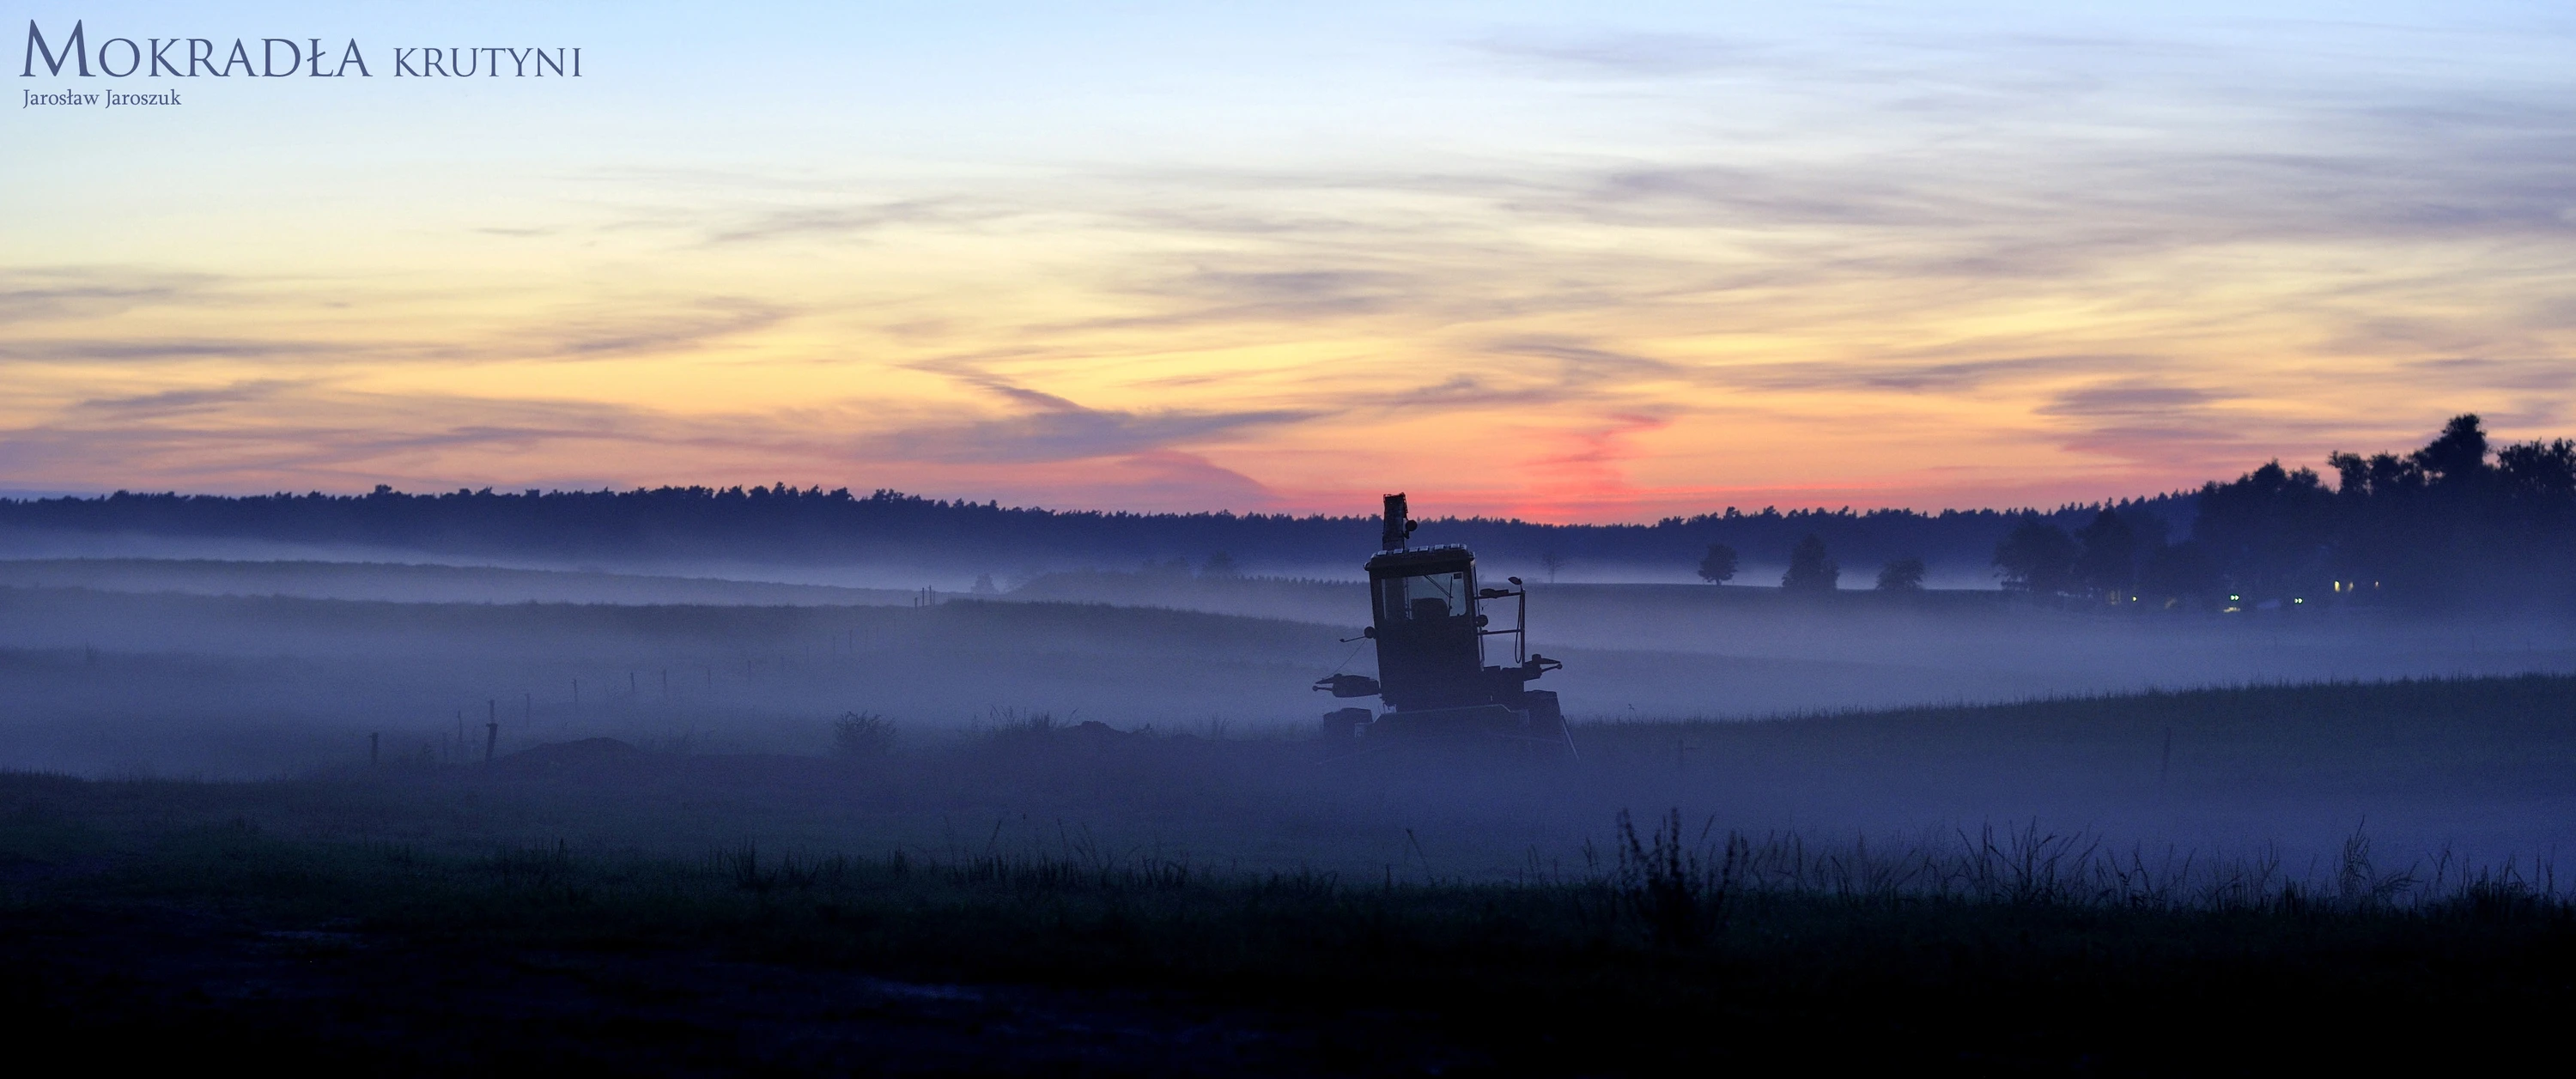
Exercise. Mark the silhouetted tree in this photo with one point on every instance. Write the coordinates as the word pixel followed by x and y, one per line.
pixel 2536 485
pixel 2541 476
pixel 2269 532
pixel 1718 565
pixel 2443 527
pixel 2384 525
pixel 2037 557
pixel 2179 574
pixel 1219 564
pixel 1901 575
pixel 2106 562
pixel 2457 456
pixel 1552 561
pixel 984 585
pixel 1809 568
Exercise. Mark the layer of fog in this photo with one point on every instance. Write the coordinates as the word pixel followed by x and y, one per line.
pixel 34 545
pixel 21 544
pixel 1672 650
pixel 424 583
pixel 115 668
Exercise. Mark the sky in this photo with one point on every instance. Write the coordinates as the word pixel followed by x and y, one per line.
pixel 1568 262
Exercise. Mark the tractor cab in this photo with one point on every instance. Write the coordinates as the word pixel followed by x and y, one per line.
pixel 1427 619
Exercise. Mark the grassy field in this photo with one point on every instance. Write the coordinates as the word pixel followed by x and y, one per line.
pixel 139 933
pixel 1039 896
pixel 1103 840
pixel 98 682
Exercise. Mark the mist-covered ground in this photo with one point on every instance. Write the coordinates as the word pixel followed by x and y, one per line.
pixel 403 582
pixel 196 668
pixel 1084 824
pixel 403 919
pixel 1741 652
pixel 246 668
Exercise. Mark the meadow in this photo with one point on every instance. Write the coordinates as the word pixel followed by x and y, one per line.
pixel 589 906
pixel 238 670
pixel 1094 832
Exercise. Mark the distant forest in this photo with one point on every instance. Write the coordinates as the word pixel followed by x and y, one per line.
pixel 2456 524
pixel 779 523
pixel 2447 524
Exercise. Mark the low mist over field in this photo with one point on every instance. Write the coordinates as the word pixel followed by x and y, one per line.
pixel 320 652
pixel 242 670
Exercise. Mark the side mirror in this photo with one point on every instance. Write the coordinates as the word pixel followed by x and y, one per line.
pixel 1514 580
pixel 1369 632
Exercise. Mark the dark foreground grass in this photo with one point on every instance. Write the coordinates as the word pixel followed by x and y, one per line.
pixel 1997 953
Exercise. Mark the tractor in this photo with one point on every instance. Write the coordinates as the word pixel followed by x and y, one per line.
pixel 1430 632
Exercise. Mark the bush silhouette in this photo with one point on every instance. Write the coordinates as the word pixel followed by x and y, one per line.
pixel 1810 571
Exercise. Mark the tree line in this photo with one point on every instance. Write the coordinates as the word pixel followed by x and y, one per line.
pixel 783 523
pixel 2455 524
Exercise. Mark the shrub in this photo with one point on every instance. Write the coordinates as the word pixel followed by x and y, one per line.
pixel 862 734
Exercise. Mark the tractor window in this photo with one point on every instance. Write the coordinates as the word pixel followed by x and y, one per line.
pixel 1430 595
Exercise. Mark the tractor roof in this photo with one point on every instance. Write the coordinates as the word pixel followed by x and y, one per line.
pixel 1445 558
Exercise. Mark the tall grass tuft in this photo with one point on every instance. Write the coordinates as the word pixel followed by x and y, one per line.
pixel 1677 891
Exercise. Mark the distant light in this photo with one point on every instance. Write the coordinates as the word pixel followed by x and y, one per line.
pixel 2233 599
pixel 2297 600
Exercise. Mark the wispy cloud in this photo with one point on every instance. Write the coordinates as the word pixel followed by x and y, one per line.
pixel 1048 428
pixel 632 332
pixel 844 221
pixel 170 402
pixel 2127 398
pixel 597 330
pixel 55 293
pixel 112 350
pixel 1592 55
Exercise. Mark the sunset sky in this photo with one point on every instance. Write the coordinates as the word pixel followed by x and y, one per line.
pixel 1577 262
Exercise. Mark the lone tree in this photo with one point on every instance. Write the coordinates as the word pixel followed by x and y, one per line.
pixel 1902 575
pixel 2037 557
pixel 1718 565
pixel 1810 571
pixel 1552 561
